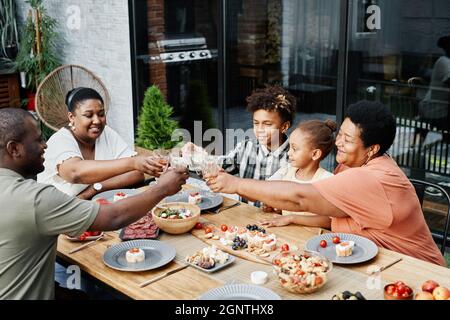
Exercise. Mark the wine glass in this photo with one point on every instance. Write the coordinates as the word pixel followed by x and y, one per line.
pixel 177 161
pixel 162 157
pixel 210 166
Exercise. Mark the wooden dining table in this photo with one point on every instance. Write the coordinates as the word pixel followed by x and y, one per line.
pixel 190 283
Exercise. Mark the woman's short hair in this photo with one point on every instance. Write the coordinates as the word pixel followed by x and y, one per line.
pixel 77 96
pixel 376 122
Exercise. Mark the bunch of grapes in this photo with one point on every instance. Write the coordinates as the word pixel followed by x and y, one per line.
pixel 254 227
pixel 239 243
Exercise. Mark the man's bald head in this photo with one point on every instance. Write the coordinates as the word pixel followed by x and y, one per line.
pixel 12 125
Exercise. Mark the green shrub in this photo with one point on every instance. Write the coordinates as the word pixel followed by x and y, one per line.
pixel 155 126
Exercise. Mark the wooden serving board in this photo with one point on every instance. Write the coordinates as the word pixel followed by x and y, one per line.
pixel 242 253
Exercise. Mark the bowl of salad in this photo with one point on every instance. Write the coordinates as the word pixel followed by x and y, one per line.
pixel 176 217
pixel 301 271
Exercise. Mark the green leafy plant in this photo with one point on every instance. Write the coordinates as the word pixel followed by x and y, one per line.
pixel 38 53
pixel 8 35
pixel 155 126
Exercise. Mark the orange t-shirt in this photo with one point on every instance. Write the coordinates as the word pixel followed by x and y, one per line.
pixel 382 205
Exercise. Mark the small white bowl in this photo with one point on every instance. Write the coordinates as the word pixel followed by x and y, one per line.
pixel 259 277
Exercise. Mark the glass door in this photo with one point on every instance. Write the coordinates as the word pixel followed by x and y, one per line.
pixel 399 54
pixel 294 43
pixel 175 48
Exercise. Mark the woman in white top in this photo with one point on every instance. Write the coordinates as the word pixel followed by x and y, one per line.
pixel 89 157
pixel 309 144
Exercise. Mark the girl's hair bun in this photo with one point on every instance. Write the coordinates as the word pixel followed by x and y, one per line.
pixel 331 124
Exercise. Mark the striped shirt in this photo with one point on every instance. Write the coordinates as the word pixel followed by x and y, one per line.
pixel 250 159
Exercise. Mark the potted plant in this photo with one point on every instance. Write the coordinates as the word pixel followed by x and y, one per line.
pixel 155 126
pixel 37 53
pixel 8 36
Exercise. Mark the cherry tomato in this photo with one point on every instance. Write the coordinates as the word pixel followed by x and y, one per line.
pixel 224 227
pixel 319 281
pixel 408 290
pixel 401 289
pixel 323 244
pixel 390 289
pixel 336 240
pixel 399 283
pixel 82 237
pixel 395 294
pixel 199 225
pixel 285 247
pixel 405 295
pixel 208 230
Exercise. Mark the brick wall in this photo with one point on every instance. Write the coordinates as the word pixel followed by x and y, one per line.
pixel 101 44
pixel 252 28
pixel 156 28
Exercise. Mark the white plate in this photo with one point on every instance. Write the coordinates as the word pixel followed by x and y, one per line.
pixel 77 239
pixel 217 266
pixel 109 195
pixel 210 200
pixel 157 254
pixel 240 292
pixel 364 249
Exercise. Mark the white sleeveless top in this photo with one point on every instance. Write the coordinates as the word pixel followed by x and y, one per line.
pixel 62 146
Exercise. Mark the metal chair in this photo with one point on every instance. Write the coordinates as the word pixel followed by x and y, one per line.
pixel 420 187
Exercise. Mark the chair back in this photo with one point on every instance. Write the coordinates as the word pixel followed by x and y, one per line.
pixel 51 93
pixel 439 236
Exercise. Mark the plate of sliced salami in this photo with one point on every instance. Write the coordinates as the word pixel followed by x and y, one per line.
pixel 144 228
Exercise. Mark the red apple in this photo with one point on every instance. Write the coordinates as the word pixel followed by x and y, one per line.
pixel 424 295
pixel 429 286
pixel 441 293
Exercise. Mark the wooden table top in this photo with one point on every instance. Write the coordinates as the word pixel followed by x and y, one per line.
pixel 190 283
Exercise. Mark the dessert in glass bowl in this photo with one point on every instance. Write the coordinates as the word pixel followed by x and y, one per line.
pixel 301 271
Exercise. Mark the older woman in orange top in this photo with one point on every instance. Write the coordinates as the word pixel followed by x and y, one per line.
pixel 369 195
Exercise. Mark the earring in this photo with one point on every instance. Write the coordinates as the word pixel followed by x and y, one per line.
pixel 368 159
pixel 72 126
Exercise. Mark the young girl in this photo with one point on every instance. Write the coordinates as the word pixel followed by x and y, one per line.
pixel 309 144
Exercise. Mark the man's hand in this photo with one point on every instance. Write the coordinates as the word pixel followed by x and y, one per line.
pixel 172 180
pixel 276 221
pixel 223 182
pixel 149 165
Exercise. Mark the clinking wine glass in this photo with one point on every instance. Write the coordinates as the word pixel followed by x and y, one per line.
pixel 177 161
pixel 210 167
pixel 162 157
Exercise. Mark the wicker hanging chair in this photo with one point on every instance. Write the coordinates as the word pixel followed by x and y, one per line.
pixel 51 93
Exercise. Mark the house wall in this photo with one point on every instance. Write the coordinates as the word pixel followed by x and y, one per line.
pixel 101 43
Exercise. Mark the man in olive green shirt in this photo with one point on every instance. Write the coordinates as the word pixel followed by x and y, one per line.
pixel 32 215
